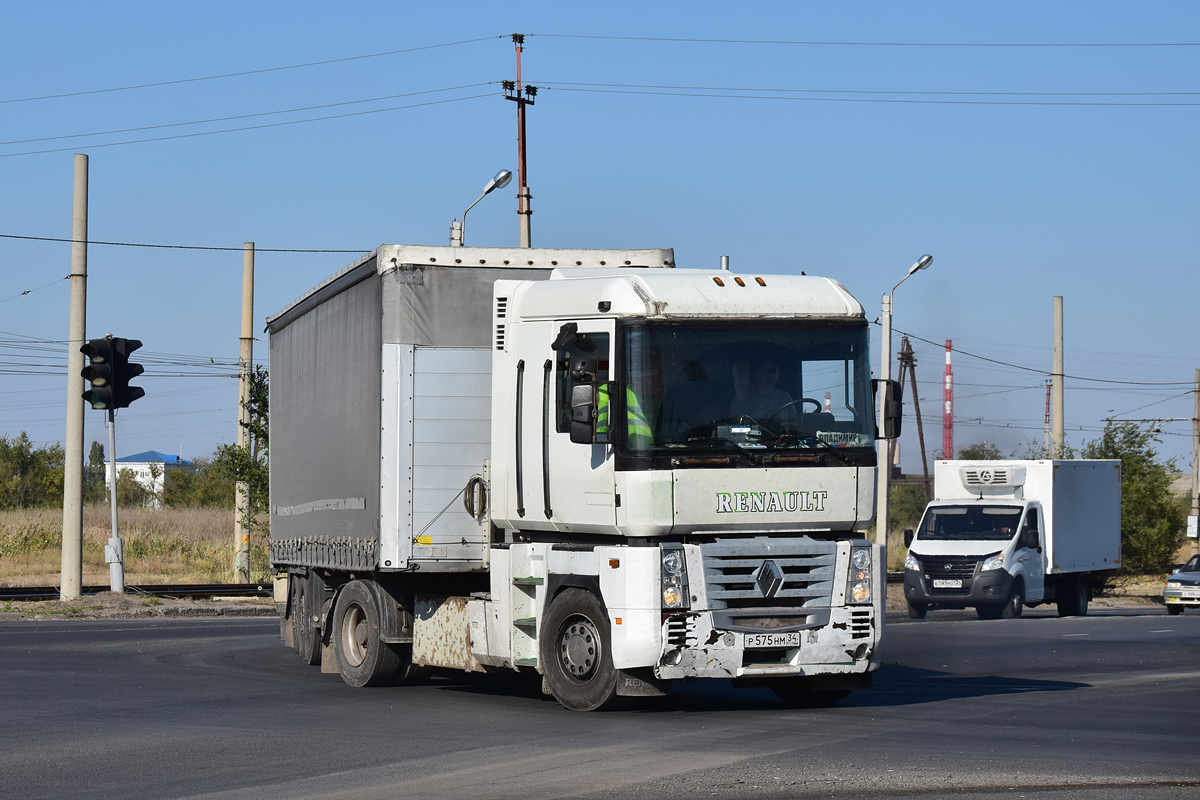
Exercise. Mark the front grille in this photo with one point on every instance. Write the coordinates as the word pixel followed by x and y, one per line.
pixel 681 630
pixel 860 624
pixel 951 567
pixel 731 568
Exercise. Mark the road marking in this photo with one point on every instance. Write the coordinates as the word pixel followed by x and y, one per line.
pixel 1075 634
pixel 1138 678
pixel 1166 630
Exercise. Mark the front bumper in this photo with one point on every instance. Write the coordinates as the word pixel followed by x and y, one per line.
pixel 981 589
pixel 1176 597
pixel 842 643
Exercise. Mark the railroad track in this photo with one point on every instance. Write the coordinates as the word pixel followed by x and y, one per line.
pixel 178 590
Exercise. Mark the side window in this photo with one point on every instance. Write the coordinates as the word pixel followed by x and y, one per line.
pixel 592 344
pixel 1031 521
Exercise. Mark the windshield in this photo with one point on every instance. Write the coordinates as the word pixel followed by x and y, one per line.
pixel 997 523
pixel 768 385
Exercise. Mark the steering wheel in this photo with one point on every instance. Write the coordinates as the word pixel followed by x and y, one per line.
pixel 816 406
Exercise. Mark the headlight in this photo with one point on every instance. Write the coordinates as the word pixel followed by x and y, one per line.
pixel 1174 585
pixel 993 562
pixel 910 562
pixel 860 575
pixel 674 577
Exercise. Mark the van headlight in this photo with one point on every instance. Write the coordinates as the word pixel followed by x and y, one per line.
pixel 860 575
pixel 910 562
pixel 993 562
pixel 674 577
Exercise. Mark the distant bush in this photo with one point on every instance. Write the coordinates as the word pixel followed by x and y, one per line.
pixel 30 477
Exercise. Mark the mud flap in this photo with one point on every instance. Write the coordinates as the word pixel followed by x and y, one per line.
pixel 639 683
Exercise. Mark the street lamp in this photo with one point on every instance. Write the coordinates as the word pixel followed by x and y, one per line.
pixel 458 229
pixel 885 374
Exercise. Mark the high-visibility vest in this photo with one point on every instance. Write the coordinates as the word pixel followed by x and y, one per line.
pixel 640 435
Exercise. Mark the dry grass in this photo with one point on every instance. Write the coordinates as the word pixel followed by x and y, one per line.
pixel 161 546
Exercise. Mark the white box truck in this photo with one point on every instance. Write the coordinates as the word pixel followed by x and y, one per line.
pixel 1001 535
pixel 580 463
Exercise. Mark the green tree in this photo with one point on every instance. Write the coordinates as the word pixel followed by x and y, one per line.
pixel 1152 527
pixel 94 490
pixel 202 485
pixel 1037 451
pixel 30 476
pixel 906 506
pixel 130 491
pixel 249 463
pixel 981 451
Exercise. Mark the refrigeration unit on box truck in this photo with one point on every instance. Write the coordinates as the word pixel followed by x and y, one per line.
pixel 583 464
pixel 1001 535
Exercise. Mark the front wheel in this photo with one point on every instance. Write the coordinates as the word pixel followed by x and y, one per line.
pixel 1016 601
pixel 575 650
pixel 917 610
pixel 1174 610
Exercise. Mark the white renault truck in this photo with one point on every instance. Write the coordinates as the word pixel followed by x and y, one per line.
pixel 580 463
pixel 1002 535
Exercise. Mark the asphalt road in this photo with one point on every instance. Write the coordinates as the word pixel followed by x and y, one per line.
pixel 1106 706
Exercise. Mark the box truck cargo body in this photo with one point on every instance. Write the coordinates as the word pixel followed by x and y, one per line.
pixel 580 463
pixel 1001 535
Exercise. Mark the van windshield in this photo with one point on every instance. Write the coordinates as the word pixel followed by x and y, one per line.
pixel 988 523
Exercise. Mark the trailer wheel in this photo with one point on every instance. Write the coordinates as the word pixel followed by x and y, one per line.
pixel 305 637
pixel 575 648
pixel 364 659
pixel 798 693
pixel 917 610
pixel 1016 601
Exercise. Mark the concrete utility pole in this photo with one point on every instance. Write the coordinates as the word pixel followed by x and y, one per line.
pixel 241 531
pixel 1056 380
pixel 523 96
pixel 908 360
pixel 71 581
pixel 1196 455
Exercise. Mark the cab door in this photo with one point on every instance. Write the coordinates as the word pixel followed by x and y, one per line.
pixel 1030 559
pixel 580 477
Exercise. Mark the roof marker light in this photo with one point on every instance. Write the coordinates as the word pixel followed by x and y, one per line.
pixel 718 281
pixel 760 281
pixel 739 281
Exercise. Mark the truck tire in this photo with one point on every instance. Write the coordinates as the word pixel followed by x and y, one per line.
pixel 362 656
pixel 306 636
pixel 1073 596
pixel 1016 601
pixel 917 610
pixel 575 649
pixel 798 693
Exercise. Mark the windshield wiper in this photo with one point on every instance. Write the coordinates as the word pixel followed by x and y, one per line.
pixel 832 449
pixel 750 457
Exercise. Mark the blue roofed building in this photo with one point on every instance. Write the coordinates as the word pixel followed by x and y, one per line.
pixel 148 468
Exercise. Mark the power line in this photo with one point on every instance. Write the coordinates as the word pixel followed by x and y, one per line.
pixel 891 100
pixel 551 84
pixel 826 43
pixel 1042 371
pixel 243 116
pixel 247 72
pixel 248 127
pixel 177 246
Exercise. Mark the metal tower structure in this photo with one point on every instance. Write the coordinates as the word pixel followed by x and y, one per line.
pixel 948 409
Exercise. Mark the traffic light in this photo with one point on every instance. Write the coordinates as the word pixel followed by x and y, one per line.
pixel 110 371
pixel 99 372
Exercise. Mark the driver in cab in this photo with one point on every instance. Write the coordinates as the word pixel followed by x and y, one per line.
pixel 755 393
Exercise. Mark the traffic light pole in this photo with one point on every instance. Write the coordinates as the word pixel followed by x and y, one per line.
pixel 114 551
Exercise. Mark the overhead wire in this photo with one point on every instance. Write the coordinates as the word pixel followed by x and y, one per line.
pixel 249 71
pixel 829 43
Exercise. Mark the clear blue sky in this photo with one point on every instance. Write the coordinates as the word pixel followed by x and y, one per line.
pixel 1019 196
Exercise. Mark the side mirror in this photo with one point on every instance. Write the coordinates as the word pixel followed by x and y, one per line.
pixel 583 413
pixel 582 372
pixel 893 408
pixel 1030 539
pixel 908 537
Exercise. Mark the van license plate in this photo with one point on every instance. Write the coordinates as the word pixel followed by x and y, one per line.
pixel 947 583
pixel 761 640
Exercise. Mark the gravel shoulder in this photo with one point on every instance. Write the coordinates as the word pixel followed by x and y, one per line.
pixel 111 605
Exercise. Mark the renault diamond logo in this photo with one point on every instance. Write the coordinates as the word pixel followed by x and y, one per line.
pixel 769 579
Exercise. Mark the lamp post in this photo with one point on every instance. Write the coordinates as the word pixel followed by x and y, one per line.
pixel 458 229
pixel 885 374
